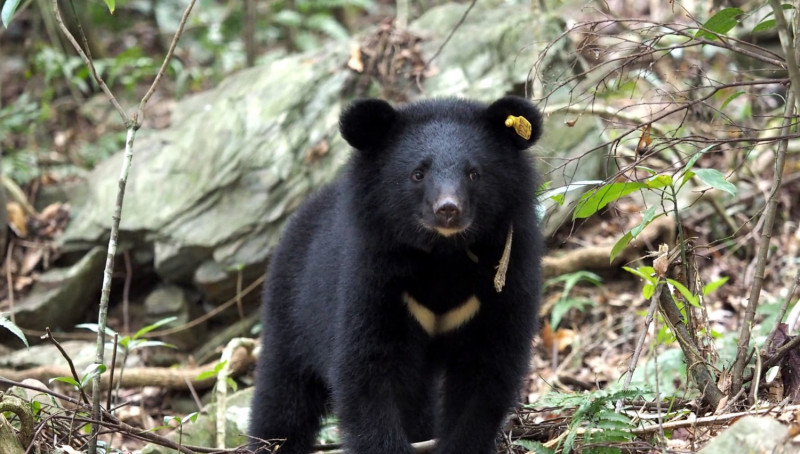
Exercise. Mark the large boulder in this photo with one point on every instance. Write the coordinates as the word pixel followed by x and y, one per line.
pixel 210 194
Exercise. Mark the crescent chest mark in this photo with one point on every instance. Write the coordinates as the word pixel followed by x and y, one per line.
pixel 436 324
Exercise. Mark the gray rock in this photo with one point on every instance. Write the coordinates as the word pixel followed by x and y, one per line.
pixel 212 192
pixel 203 431
pixel 752 435
pixel 61 295
pixel 173 301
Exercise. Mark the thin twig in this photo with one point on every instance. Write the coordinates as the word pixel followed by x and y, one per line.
pixel 640 342
pixel 695 363
pixel 126 292
pixel 49 336
pixel 113 366
pixel 784 33
pixel 743 348
pixel 10 280
pixel 449 36
pixel 88 61
pixel 781 352
pixel 140 114
pixel 710 420
pixel 233 300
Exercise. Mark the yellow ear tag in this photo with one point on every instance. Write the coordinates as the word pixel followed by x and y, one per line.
pixel 521 126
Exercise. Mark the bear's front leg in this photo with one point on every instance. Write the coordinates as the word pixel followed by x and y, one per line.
pixel 481 385
pixel 380 389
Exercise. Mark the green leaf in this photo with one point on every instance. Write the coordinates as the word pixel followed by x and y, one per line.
pixel 620 246
pixel 560 191
pixel 534 446
pixel 190 417
pixel 659 181
pixel 688 174
pixel 145 344
pixel 591 202
pixel 648 216
pixel 730 98
pixel 711 286
pixel 68 380
pixel 91 371
pixel 288 18
pixel 764 26
pixel 719 24
pixel 95 327
pixel 716 180
pixel 563 306
pixel 9 325
pixel 645 272
pixel 648 170
pixel 153 326
pixel 648 291
pixel 111 5
pixel 611 416
pixel 690 297
pixel 9 8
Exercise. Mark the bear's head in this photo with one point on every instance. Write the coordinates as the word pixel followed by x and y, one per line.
pixel 441 171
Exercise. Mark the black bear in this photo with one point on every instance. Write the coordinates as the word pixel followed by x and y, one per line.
pixel 404 295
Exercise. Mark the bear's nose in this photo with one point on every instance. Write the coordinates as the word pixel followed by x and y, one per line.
pixel 447 211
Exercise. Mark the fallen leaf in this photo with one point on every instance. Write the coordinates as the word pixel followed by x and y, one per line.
pixel 356 63
pixel 562 338
pixel 17 219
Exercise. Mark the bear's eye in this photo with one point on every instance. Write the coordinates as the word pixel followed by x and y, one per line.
pixel 474 175
pixel 417 175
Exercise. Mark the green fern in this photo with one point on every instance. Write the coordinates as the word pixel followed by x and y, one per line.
pixel 594 413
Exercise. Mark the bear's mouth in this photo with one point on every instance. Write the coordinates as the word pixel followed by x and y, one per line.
pixel 446 229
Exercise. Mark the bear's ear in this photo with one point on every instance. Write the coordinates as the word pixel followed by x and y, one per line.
pixel 516 119
pixel 366 122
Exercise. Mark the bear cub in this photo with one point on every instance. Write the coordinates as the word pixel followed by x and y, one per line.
pixel 404 295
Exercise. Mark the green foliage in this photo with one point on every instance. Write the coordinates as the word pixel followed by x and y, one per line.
pixel 671 370
pixel 593 201
pixel 565 302
pixel 127 69
pixel 648 274
pixel 305 20
pixel 720 23
pixel 534 447
pixel 7 13
pixel 594 413
pixel 127 344
pixel 213 373
pixel 88 374
pixel 11 326
pixel 111 5
pixel 191 417
pixel 557 194
pixel 667 185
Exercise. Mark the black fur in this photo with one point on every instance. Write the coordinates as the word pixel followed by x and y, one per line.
pixel 431 187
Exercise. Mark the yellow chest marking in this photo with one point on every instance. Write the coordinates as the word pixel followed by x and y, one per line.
pixel 435 324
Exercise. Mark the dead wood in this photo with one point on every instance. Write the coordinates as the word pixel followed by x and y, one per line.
pixel 164 377
pixel 661 230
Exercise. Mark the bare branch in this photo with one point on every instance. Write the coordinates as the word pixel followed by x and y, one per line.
pixel 140 113
pixel 743 348
pixel 788 50
pixel 89 63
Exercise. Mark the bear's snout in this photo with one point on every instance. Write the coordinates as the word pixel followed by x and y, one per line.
pixel 447 211
pixel 449 215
